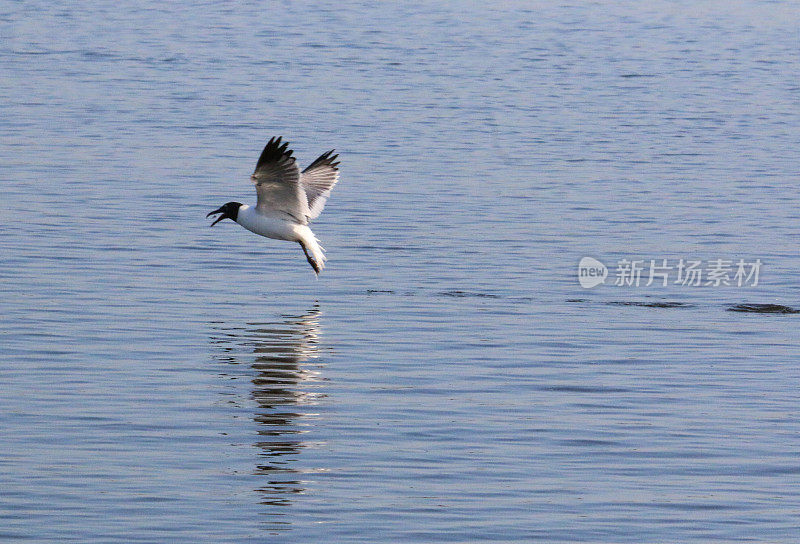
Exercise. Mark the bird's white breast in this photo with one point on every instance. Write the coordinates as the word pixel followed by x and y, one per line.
pixel 271 227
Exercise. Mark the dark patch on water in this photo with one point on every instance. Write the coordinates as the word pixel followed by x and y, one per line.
pixel 380 291
pixel 584 389
pixel 764 309
pixel 643 304
pixel 467 294
pixel 584 442
pixel 665 304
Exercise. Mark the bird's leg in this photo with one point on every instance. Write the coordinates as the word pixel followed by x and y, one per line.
pixel 310 260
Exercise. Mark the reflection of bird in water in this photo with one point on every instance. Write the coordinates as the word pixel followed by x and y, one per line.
pixel 278 356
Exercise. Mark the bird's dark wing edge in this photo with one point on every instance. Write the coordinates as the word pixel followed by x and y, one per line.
pixel 274 152
pixel 323 160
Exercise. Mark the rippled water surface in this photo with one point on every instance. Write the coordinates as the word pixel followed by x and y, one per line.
pixel 446 379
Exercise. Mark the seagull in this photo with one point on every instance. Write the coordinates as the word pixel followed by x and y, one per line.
pixel 287 199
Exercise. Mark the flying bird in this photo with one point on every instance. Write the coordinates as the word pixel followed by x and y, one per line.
pixel 287 199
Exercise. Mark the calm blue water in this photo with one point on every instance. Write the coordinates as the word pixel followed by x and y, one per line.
pixel 446 379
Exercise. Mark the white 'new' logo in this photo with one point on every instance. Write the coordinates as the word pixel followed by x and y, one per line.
pixel 591 272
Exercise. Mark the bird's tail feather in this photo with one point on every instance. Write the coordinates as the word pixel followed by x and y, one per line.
pixel 314 252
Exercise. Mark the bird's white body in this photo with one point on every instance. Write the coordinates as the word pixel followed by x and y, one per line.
pixel 278 228
pixel 270 226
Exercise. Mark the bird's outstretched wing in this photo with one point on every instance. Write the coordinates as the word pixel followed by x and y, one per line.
pixel 277 180
pixel 318 180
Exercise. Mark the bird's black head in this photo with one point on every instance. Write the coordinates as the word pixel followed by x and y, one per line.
pixel 227 211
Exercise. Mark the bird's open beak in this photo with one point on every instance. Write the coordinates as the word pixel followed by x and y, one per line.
pixel 220 218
